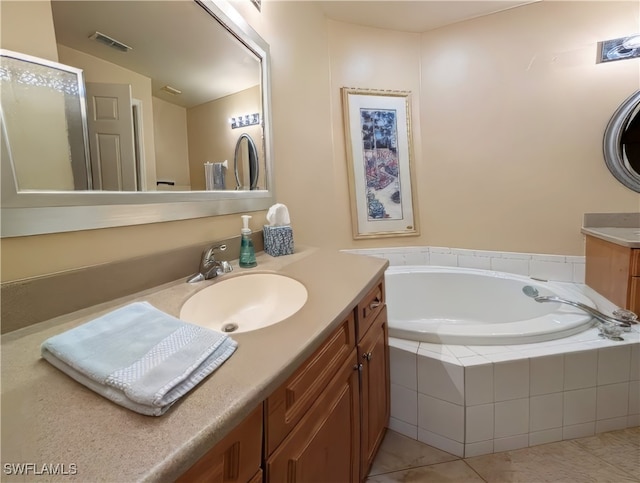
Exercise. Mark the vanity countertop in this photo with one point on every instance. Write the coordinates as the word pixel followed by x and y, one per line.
pixel 49 419
pixel 619 228
pixel 627 237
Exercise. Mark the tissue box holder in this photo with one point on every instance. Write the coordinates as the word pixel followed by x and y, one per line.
pixel 278 240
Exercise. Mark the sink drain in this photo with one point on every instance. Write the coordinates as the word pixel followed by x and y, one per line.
pixel 231 327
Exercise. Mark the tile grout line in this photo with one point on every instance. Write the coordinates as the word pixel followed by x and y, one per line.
pixel 474 470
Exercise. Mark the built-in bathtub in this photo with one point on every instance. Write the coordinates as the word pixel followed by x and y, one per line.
pixel 486 388
pixel 452 305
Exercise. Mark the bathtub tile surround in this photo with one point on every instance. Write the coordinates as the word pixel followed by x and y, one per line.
pixel 476 400
pixel 558 268
pixel 583 386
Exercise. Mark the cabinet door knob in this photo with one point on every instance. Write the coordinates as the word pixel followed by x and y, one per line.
pixel 367 356
pixel 357 367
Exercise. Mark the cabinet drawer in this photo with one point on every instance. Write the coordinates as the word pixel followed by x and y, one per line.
pixel 635 262
pixel 236 458
pixel 369 308
pixel 286 406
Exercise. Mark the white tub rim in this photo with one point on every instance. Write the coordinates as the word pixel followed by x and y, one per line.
pixel 569 321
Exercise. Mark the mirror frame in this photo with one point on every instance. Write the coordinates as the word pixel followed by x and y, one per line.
pixel 33 213
pixel 613 155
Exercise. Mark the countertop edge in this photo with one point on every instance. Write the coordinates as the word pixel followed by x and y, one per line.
pixel 601 233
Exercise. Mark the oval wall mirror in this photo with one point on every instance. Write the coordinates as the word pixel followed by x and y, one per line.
pixel 622 143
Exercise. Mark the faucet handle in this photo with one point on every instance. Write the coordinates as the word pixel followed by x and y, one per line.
pixel 224 267
pixel 626 316
pixel 208 255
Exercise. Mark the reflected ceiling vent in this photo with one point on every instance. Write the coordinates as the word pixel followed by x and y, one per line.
pixel 111 42
pixel 171 90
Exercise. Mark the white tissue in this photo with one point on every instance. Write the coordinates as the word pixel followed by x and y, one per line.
pixel 278 215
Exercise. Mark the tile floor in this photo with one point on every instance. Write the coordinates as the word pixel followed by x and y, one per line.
pixel 612 457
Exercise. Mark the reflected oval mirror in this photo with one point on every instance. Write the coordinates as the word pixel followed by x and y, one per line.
pixel 186 94
pixel 246 163
pixel 622 143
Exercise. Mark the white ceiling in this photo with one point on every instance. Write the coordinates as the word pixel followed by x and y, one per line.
pixel 176 43
pixel 412 16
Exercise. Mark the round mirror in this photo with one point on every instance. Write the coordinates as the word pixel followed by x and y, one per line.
pixel 622 143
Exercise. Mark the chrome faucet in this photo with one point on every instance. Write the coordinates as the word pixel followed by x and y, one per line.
pixel 610 327
pixel 209 266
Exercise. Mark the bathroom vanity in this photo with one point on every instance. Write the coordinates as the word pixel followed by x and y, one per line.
pixel 312 388
pixel 334 407
pixel 612 249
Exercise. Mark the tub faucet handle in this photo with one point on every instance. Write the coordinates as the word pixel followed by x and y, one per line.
pixel 626 315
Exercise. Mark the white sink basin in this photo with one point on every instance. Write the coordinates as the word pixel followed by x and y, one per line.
pixel 244 303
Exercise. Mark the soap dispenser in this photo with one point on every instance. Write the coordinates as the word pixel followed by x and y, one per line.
pixel 247 252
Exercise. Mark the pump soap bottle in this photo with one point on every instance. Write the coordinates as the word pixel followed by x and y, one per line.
pixel 247 252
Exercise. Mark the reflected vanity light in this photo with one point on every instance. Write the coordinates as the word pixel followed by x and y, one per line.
pixel 244 120
pixel 171 90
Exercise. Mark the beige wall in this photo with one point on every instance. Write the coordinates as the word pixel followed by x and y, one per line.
pixel 513 110
pixel 172 149
pixel 473 192
pixel 211 138
pixel 35 37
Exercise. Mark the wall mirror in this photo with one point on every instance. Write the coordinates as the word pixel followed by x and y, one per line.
pixel 178 72
pixel 622 143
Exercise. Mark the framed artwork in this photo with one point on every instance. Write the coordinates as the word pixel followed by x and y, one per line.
pixel 379 147
pixel 619 49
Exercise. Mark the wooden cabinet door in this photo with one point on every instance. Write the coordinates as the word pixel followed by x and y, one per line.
pixel 235 459
pixel 288 404
pixel 324 446
pixel 373 352
pixel 608 270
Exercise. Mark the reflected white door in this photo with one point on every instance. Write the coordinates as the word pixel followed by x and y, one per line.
pixel 111 138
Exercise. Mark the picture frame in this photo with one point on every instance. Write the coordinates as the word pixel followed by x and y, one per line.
pixel 379 151
pixel 619 49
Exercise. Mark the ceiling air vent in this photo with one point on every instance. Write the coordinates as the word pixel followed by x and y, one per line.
pixel 111 42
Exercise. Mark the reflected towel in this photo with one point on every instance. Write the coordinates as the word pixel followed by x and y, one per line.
pixel 214 175
pixel 138 356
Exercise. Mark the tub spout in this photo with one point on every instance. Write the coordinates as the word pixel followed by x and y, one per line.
pixel 610 327
pixel 596 314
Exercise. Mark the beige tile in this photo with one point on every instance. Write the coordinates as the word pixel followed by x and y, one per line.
pixel 453 472
pixel 397 452
pixel 558 462
pixel 619 448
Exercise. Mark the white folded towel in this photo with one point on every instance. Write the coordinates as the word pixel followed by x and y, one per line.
pixel 138 356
